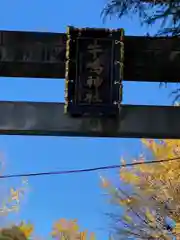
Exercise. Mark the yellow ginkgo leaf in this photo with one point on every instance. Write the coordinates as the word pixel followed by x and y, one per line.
pixel 14 195
pixel 149 216
pixel 92 236
pixel 105 183
pixel 124 202
pixel 73 225
pixel 127 218
pixel 129 177
pixel 177 228
pixel 83 235
pixel 27 229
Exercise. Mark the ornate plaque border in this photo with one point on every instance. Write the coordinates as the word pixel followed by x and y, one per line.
pixel 74 36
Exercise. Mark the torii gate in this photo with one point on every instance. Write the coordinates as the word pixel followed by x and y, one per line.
pixel 43 55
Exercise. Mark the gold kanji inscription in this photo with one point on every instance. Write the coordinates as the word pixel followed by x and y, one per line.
pixel 91 97
pixel 94 49
pixel 95 66
pixel 94 81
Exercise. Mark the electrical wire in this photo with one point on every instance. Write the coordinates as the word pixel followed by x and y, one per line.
pixel 65 172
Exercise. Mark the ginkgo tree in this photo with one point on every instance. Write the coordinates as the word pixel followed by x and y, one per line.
pixel 10 202
pixel 148 195
pixel 64 229
pixel 17 232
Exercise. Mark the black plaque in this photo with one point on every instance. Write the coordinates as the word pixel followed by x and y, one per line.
pixel 94 71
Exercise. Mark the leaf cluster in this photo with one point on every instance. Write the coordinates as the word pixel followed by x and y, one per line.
pixel 165 12
pixel 150 206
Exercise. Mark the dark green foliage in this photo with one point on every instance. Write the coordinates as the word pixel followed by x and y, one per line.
pixel 164 12
pixel 167 13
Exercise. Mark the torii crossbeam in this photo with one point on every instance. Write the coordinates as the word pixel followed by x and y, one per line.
pixel 42 55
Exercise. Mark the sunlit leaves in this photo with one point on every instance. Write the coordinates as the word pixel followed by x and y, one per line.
pixel 154 195
pixel 10 202
pixel 163 12
pixel 64 229
pixel 27 229
pixel 12 233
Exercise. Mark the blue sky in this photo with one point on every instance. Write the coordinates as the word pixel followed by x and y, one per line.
pixel 72 196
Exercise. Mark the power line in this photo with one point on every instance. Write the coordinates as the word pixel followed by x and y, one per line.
pixel 66 172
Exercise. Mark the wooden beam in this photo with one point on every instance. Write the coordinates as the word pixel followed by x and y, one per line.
pixel 32 54
pixel 152 59
pixel 29 118
pixel 42 55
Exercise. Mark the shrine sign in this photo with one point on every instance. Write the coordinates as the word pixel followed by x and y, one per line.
pixel 94 71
